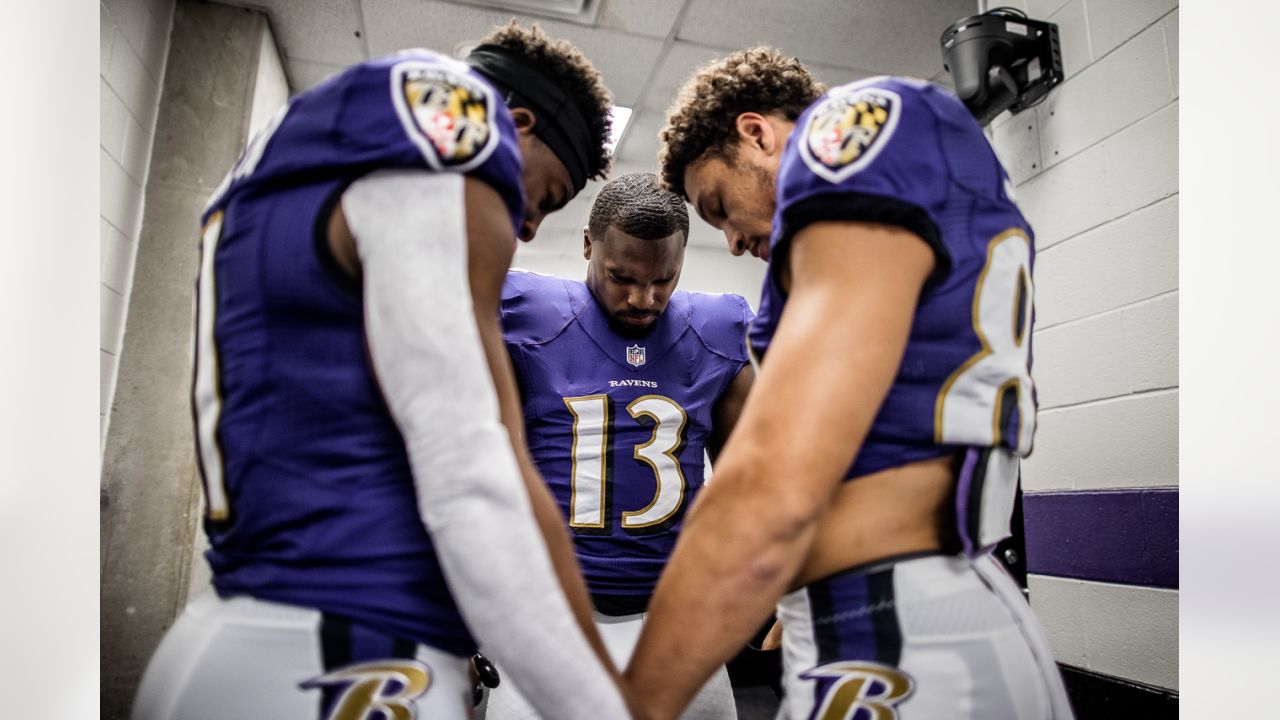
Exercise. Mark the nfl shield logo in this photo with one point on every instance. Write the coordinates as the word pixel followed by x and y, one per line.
pixel 635 355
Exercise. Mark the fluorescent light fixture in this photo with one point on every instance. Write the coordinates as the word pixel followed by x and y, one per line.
pixel 619 116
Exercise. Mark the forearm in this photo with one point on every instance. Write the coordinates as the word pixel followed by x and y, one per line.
pixel 734 559
pixel 428 355
pixel 551 522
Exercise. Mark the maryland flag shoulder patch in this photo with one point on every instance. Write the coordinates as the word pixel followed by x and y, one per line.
pixel 848 129
pixel 447 113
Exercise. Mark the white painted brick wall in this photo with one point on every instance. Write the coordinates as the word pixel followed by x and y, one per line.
pixel 1073 34
pixel 1105 214
pixel 1120 352
pixel 1151 343
pixel 1141 163
pixel 1113 22
pixel 1096 169
pixel 1125 172
pixel 1109 95
pixel 1132 258
pixel 1037 9
pixel 1080 362
pixel 134 37
pixel 1017 144
pixel 1125 442
pixel 1085 631
pixel 113 254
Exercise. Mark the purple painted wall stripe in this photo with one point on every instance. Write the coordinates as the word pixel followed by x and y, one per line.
pixel 1120 536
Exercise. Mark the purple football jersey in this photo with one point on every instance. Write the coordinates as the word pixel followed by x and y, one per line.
pixel 311 499
pixel 617 425
pixel 907 153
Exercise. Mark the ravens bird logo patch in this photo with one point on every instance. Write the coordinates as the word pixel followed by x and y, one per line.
pixel 448 114
pixel 846 132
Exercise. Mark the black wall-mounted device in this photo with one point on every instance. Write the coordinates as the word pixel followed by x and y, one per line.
pixel 1002 60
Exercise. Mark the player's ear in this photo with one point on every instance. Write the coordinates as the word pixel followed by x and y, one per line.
pixel 524 119
pixel 754 129
pixel 586 242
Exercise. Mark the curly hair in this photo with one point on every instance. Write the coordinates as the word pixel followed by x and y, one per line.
pixel 638 206
pixel 573 72
pixel 703 120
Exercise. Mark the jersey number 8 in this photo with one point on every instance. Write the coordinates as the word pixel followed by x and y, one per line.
pixel 976 403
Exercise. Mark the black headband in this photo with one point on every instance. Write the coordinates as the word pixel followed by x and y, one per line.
pixel 559 122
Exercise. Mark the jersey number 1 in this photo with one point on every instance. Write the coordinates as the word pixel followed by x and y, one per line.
pixel 589 497
pixel 206 395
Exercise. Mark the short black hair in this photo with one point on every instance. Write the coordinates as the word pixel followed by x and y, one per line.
pixel 638 206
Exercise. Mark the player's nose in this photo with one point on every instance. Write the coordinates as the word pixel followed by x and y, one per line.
pixel 643 297
pixel 737 241
pixel 529 227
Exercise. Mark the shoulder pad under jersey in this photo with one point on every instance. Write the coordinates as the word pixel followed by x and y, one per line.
pixel 536 308
pixel 414 109
pixel 887 149
pixel 719 320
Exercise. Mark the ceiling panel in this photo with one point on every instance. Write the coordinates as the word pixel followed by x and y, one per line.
pixel 623 59
pixel 654 18
pixel 398 24
pixel 680 61
pixel 326 31
pixel 304 74
pixel 832 75
pixel 891 36
pixel 839 40
pixel 639 145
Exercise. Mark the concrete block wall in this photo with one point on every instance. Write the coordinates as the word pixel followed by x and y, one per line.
pixel 222 74
pixel 1096 171
pixel 134 41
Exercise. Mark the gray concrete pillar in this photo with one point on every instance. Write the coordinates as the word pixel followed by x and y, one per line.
pixel 150 525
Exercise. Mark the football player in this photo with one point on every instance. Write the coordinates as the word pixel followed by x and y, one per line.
pixel 369 518
pixel 874 466
pixel 624 381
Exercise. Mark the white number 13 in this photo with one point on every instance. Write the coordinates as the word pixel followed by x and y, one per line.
pixel 590 482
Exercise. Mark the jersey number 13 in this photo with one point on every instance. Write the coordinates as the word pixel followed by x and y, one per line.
pixel 589 480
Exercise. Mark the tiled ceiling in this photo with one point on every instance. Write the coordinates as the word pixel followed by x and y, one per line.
pixel 645 48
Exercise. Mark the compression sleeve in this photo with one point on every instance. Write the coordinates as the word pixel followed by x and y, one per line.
pixel 411 237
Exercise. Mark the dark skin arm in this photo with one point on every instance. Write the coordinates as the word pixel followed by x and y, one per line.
pixel 751 529
pixel 724 415
pixel 489 257
pixel 490 247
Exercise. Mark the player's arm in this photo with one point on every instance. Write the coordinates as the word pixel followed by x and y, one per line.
pixel 490 252
pixel 436 364
pixel 747 535
pixel 724 414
